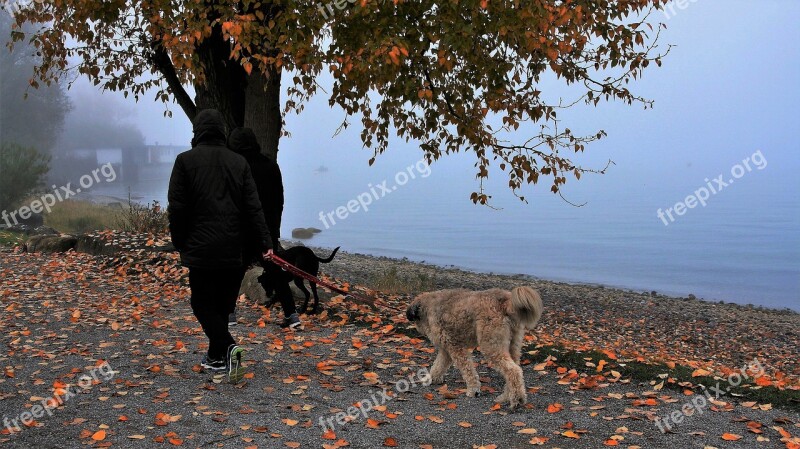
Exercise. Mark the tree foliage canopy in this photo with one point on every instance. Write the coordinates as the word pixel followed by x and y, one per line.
pixel 454 75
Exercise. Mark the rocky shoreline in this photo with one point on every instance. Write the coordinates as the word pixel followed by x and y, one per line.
pixel 363 268
pixel 648 326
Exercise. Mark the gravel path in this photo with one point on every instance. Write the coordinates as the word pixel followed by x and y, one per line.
pixel 66 314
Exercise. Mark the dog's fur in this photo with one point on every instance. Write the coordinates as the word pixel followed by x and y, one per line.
pixel 275 279
pixel 495 320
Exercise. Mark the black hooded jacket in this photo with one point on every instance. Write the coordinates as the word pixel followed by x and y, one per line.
pixel 213 201
pixel 266 173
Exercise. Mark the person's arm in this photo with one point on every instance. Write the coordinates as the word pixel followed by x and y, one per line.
pixel 253 212
pixel 179 205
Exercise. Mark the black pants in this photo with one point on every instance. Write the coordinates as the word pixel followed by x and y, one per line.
pixel 284 294
pixel 214 294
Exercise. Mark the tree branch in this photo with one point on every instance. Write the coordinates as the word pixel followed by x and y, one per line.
pixel 163 64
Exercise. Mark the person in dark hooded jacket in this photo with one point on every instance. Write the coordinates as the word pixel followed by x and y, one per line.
pixel 213 202
pixel 267 175
pixel 269 182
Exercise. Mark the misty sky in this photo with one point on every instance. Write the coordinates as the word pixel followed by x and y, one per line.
pixel 727 89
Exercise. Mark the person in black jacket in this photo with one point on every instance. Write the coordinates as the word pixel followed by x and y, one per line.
pixel 269 183
pixel 213 204
pixel 267 175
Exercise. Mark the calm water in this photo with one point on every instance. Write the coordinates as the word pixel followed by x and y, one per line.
pixel 743 247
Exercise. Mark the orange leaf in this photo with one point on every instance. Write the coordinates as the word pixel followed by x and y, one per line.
pixel 610 354
pixel 329 435
pixel 570 434
pixel 554 408
pixel 100 435
pixel 731 437
pixel 390 442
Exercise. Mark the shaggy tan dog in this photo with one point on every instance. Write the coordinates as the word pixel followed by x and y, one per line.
pixel 456 321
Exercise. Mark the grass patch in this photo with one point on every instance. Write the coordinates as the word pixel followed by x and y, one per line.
pixel 142 219
pixel 10 239
pixel 645 373
pixel 390 281
pixel 80 217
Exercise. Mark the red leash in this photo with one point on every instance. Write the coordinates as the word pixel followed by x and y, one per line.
pixel 310 277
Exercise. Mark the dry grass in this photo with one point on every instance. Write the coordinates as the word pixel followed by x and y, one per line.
pixel 80 216
pixel 143 219
pixel 10 239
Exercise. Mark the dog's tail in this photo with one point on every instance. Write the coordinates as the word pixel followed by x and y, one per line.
pixel 526 305
pixel 330 258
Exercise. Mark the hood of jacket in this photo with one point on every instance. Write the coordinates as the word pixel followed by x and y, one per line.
pixel 243 141
pixel 208 128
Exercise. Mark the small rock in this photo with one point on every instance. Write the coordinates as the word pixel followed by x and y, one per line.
pixel 50 243
pixel 304 233
pixel 94 246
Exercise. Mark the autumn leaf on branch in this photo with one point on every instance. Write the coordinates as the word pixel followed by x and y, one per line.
pixel 452 76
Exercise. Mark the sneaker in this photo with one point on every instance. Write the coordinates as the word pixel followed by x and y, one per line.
pixel 235 365
pixel 293 321
pixel 232 319
pixel 213 365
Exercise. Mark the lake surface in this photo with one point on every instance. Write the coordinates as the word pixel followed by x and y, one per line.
pixel 742 247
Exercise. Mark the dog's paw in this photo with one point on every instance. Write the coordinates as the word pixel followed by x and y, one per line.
pixel 516 400
pixel 428 379
pixel 473 392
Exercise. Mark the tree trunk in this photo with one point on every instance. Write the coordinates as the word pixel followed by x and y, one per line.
pixel 262 110
pixel 225 80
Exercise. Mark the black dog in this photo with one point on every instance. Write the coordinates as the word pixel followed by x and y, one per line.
pixel 276 280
